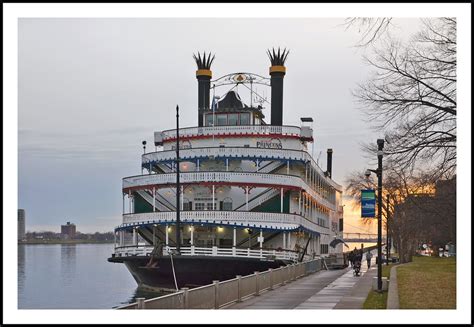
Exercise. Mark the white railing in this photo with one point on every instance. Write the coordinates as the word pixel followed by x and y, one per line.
pixel 228 152
pixel 223 293
pixel 146 250
pixel 283 221
pixel 265 180
pixel 232 130
pixel 239 152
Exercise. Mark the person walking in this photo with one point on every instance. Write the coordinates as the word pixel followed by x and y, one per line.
pixel 368 256
pixel 351 257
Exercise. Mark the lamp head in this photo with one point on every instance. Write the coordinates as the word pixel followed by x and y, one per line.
pixel 380 143
pixel 367 173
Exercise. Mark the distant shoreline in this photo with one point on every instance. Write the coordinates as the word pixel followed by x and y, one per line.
pixel 65 242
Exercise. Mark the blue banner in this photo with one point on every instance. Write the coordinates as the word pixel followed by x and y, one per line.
pixel 367 203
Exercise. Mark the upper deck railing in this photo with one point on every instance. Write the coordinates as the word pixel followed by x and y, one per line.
pixel 242 219
pixel 291 131
pixel 239 152
pixel 243 178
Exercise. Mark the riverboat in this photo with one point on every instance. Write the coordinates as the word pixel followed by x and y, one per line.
pixel 232 195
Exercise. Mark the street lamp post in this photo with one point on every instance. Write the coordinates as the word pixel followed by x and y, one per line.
pixel 379 214
pixel 178 226
pixel 378 172
pixel 387 236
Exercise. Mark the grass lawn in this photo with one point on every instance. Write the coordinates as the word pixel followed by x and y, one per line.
pixel 427 283
pixel 376 300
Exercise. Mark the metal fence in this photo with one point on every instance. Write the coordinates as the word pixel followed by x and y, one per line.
pixel 222 293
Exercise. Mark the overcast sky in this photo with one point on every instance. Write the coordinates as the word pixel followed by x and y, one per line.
pixel 90 90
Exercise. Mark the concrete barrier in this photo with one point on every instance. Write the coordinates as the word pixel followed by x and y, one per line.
pixel 393 301
pixel 385 283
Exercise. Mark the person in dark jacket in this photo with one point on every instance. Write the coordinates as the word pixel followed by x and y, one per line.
pixel 357 256
pixel 351 257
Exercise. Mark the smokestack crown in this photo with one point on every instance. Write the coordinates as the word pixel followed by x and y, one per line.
pixel 203 64
pixel 278 58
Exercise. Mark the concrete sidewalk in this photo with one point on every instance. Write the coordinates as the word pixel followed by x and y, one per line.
pixel 326 289
pixel 346 292
pixel 358 294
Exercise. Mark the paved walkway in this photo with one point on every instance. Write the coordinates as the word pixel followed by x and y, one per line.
pixel 326 289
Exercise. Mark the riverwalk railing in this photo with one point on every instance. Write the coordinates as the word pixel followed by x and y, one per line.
pixel 222 293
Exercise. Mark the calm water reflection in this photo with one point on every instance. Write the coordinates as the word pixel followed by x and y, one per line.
pixel 68 263
pixel 21 266
pixel 73 276
pixel 144 293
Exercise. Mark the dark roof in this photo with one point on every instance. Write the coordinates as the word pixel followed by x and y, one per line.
pixel 230 101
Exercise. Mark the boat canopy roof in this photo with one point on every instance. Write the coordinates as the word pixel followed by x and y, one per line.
pixel 231 102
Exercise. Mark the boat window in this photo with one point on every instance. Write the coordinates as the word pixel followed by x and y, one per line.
pixel 199 206
pixel 221 120
pixel 188 206
pixel 227 204
pixel 233 119
pixel 209 206
pixel 209 120
pixel 245 119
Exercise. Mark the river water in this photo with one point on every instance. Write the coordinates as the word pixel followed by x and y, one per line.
pixel 73 276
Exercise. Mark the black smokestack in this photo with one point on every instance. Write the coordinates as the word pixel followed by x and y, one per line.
pixel 203 75
pixel 277 72
pixel 329 164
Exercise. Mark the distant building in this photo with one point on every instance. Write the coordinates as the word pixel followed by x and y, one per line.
pixel 68 230
pixel 21 224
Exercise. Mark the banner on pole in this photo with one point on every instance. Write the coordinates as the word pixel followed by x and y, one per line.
pixel 367 203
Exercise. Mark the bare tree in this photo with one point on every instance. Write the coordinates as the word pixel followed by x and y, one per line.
pixel 411 98
pixel 371 29
pixel 393 185
pixel 407 206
